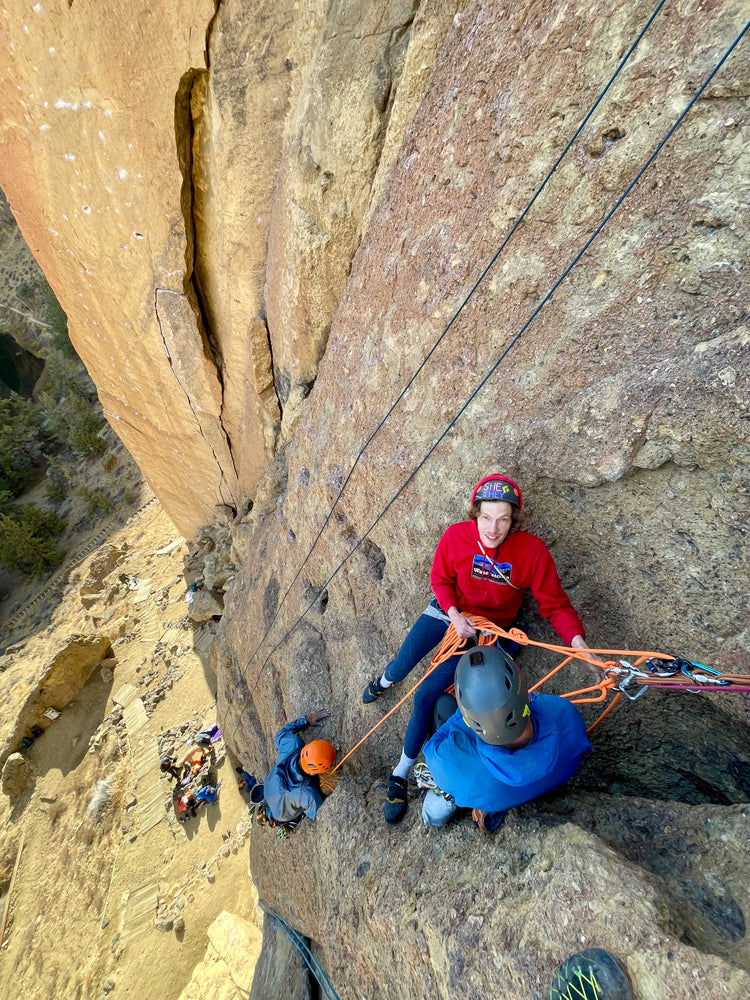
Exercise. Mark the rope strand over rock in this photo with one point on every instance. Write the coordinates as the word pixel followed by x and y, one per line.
pixel 493 260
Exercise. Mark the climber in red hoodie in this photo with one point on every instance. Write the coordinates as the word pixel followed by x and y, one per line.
pixel 481 566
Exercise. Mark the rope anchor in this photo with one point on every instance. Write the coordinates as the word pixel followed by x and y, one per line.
pixel 661 671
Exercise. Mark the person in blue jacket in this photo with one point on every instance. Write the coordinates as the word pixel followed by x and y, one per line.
pixel 502 747
pixel 292 789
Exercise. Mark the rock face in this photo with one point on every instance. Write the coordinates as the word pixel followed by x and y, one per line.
pixel 43 679
pixel 198 226
pixel 280 972
pixel 622 411
pixel 227 969
pixel 344 174
pixel 113 247
pixel 456 913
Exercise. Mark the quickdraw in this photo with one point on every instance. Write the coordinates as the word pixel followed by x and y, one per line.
pixel 666 673
pixel 261 817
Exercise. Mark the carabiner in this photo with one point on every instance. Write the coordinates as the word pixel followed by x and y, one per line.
pixel 626 681
pixel 714 678
pixel 663 668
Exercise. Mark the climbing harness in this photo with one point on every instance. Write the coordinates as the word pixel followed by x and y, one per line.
pixel 328 992
pixel 425 781
pixel 260 816
pixel 696 96
pixel 493 260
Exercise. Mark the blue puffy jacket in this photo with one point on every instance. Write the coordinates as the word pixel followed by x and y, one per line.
pixel 481 776
pixel 291 794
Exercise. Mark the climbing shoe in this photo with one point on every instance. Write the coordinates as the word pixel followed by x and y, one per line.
pixel 591 975
pixel 395 803
pixel 488 822
pixel 373 691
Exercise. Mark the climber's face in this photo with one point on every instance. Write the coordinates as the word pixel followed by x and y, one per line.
pixel 494 522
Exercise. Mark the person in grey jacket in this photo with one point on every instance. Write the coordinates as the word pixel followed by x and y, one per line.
pixel 292 789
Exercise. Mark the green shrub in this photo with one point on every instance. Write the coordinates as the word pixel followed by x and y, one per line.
pixel 58 480
pixel 68 377
pixel 87 442
pixel 71 411
pixel 57 471
pixel 22 438
pixel 66 414
pixel 27 540
pixel 54 316
pixel 97 501
pixel 55 491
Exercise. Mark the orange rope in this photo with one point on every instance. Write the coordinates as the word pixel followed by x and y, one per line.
pixel 450 645
pixel 488 632
pixel 569 653
pixel 605 713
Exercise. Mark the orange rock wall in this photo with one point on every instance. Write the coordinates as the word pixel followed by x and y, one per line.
pixel 88 160
pixel 192 179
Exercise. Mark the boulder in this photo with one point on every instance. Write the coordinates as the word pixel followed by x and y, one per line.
pixel 107 668
pixel 205 605
pixel 209 559
pixel 228 965
pixel 16 775
pixel 94 572
pixel 47 677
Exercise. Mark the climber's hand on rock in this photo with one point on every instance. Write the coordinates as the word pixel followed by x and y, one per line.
pixel 316 718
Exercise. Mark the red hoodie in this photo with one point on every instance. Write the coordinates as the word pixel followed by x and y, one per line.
pixel 463 577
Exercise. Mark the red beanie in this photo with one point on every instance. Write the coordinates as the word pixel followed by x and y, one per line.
pixel 506 490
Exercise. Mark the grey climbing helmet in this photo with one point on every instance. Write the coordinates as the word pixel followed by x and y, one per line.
pixel 492 695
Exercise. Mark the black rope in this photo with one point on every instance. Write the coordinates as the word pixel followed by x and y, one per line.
pixel 528 322
pixel 477 283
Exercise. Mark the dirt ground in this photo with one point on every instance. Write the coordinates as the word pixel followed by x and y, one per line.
pixel 93 880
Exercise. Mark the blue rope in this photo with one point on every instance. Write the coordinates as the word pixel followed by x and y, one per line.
pixel 528 322
pixel 302 947
pixel 477 283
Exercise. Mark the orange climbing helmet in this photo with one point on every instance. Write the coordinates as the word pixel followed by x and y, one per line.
pixel 317 757
pixel 497 487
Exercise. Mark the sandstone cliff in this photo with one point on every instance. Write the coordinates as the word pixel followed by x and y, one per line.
pixel 320 185
pixel 197 224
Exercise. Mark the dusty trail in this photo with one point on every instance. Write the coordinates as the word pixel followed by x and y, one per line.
pixel 90 889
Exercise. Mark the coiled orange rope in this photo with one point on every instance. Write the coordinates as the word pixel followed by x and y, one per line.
pixel 450 645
